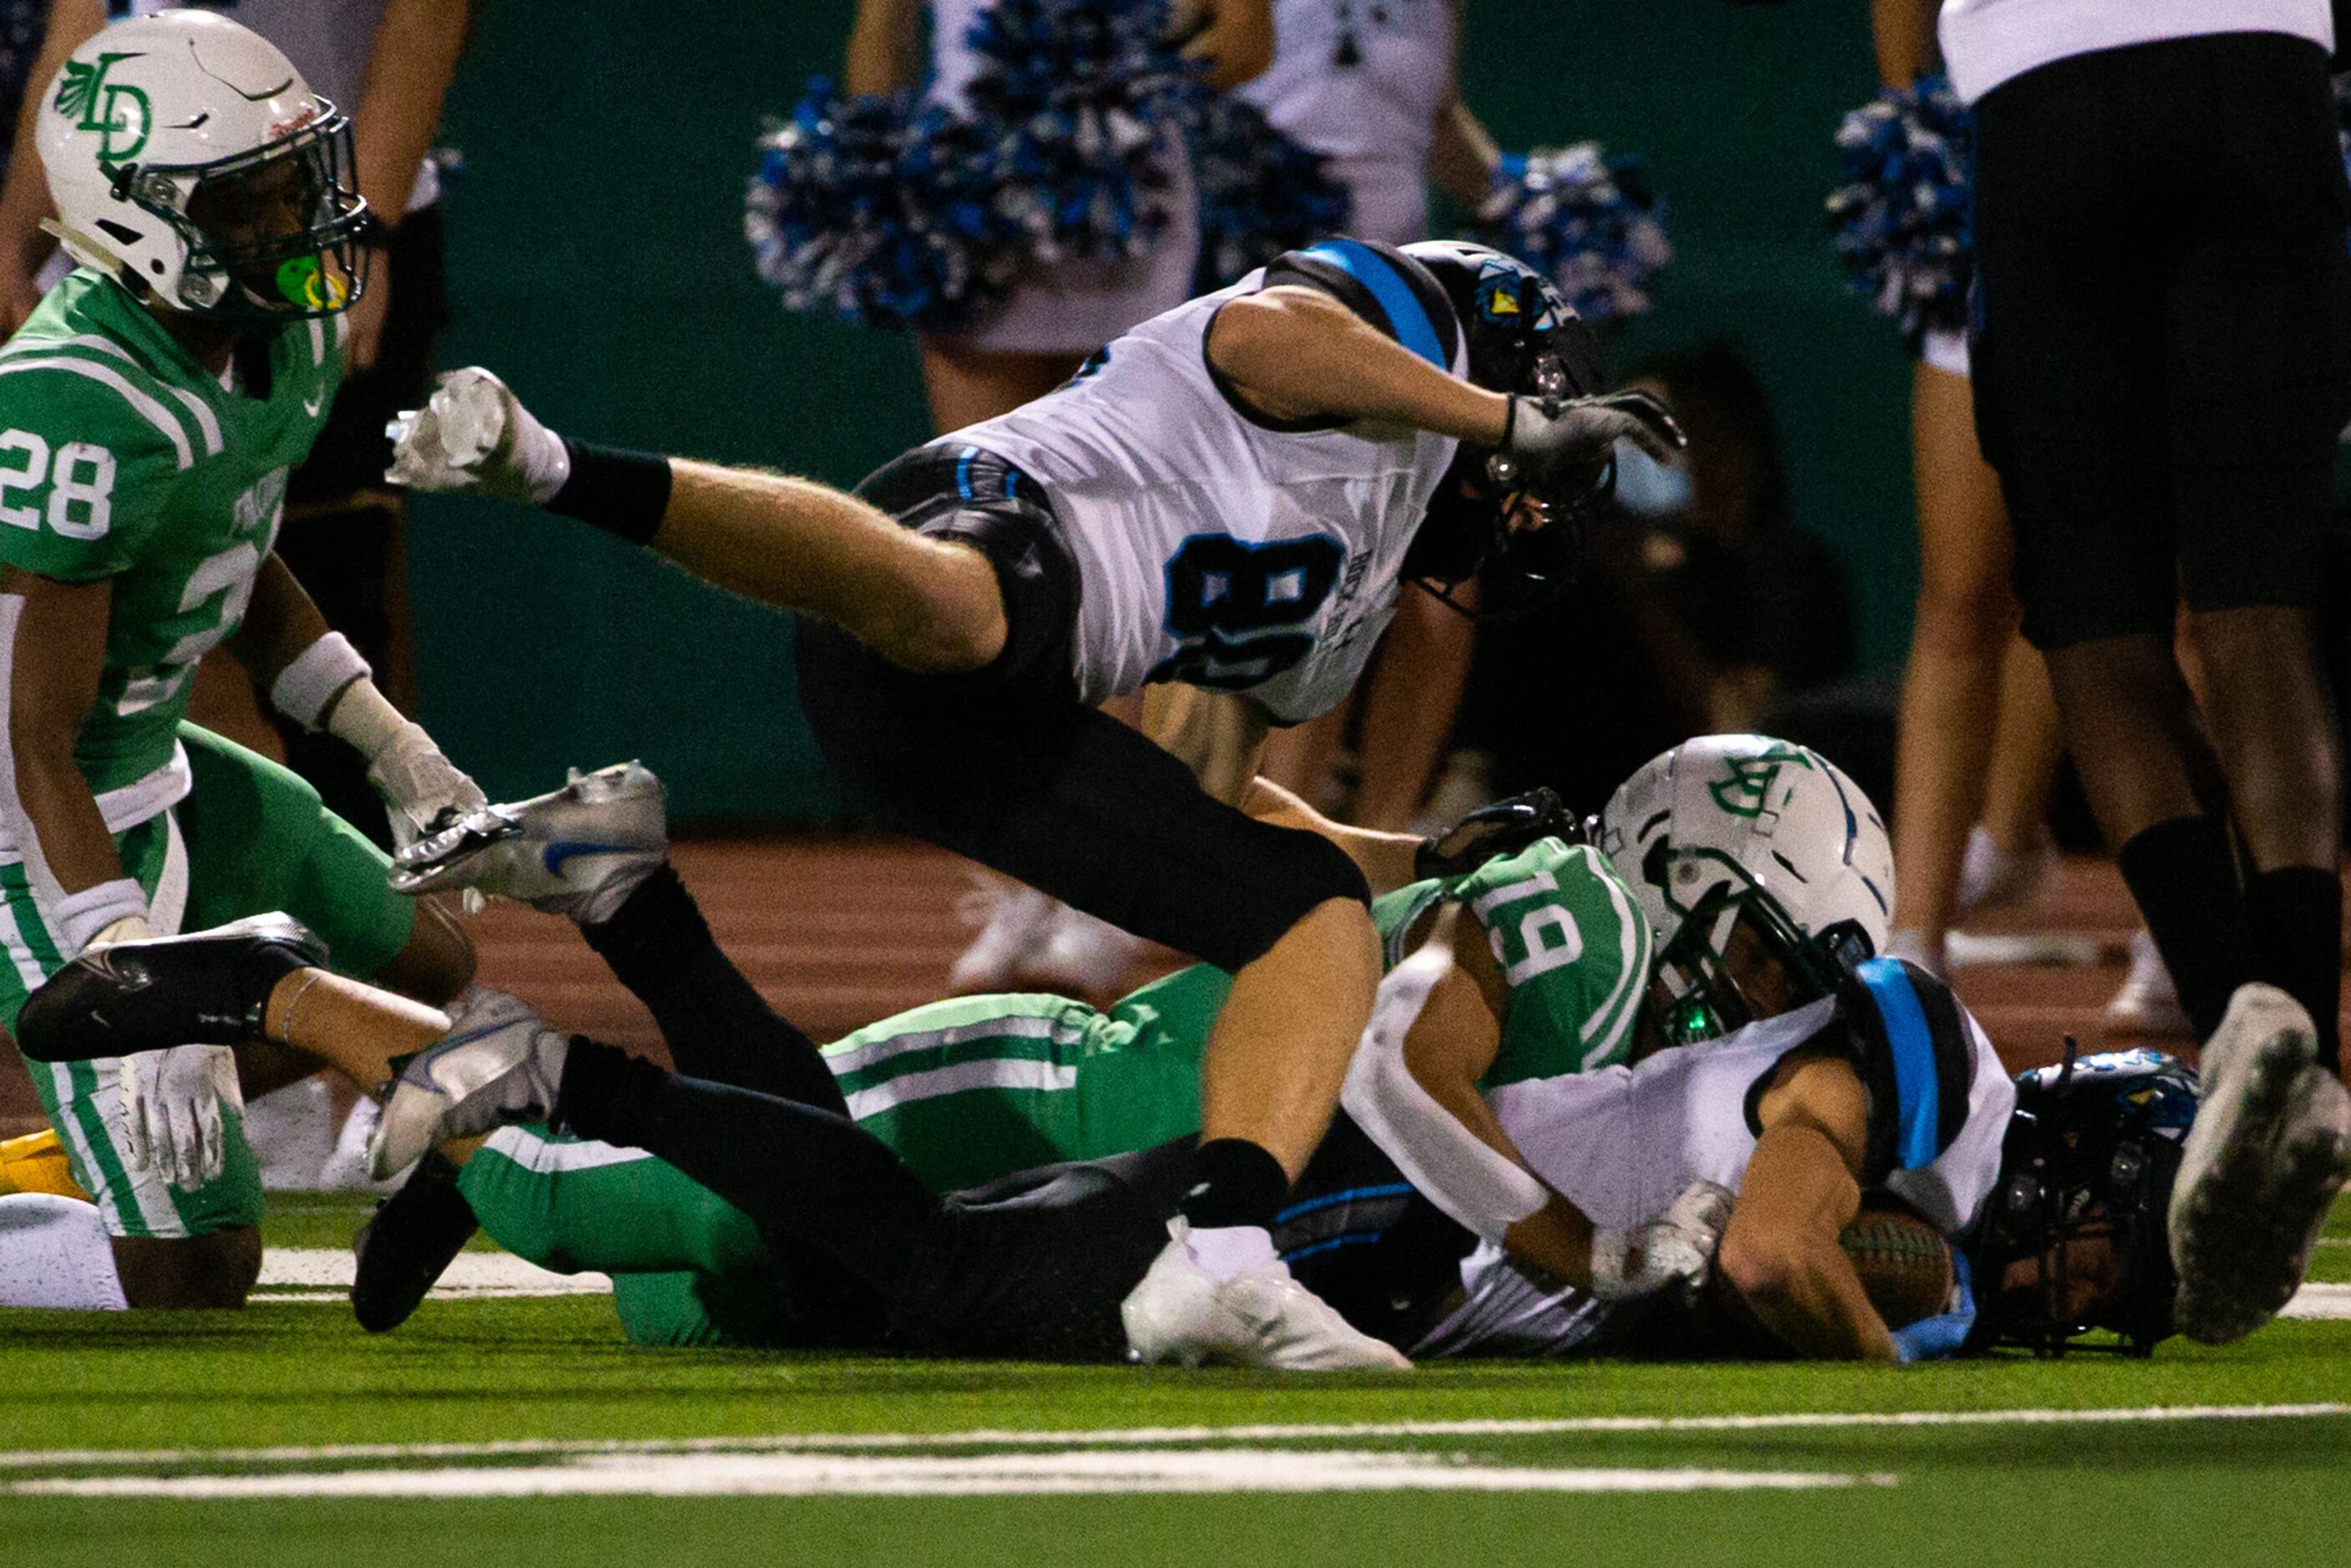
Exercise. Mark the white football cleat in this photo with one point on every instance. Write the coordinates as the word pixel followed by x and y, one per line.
pixel 2148 1005
pixel 2270 1150
pixel 1260 1317
pixel 500 1062
pixel 579 851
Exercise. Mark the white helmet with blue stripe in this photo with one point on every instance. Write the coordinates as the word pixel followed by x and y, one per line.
pixel 1728 830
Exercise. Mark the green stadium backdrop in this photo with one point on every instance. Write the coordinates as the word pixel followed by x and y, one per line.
pixel 598 264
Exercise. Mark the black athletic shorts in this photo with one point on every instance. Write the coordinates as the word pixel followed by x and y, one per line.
pixel 2162 347
pixel 1007 766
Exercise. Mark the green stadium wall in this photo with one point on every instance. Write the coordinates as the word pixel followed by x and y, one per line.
pixel 597 263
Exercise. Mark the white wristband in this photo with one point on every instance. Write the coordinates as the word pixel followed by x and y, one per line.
pixel 305 687
pixel 78 916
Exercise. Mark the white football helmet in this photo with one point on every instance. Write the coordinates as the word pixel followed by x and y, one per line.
pixel 1726 828
pixel 190 162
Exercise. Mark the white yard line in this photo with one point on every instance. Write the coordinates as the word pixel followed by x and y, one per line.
pixel 802 1475
pixel 1148 1436
pixel 2319 1302
pixel 324 1274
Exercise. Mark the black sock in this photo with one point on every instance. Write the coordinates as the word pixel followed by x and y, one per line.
pixel 1234 1182
pixel 716 1025
pixel 2183 873
pixel 2297 922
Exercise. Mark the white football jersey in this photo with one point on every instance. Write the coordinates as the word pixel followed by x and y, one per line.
pixel 1214 549
pixel 1621 1144
pixel 1360 81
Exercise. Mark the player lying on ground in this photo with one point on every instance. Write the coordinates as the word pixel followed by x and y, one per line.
pixel 693 1268
pixel 1231 496
pixel 968 1092
pixel 149 411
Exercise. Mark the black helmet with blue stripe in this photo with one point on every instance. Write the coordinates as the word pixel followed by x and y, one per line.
pixel 2074 1238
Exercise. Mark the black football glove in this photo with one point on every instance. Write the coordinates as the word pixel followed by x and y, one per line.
pixel 1503 828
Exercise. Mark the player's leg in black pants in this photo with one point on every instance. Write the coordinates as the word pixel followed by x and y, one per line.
pixel 2164 360
pixel 717 1028
pixel 716 1025
pixel 1032 1268
pixel 1009 766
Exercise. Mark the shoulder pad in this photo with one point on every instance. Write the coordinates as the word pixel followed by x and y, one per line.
pixel 1381 284
pixel 1909 1041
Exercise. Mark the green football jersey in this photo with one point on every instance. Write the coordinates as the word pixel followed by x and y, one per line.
pixel 122 458
pixel 1572 945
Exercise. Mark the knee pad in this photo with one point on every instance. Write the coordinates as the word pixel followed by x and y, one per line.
pixel 1294 872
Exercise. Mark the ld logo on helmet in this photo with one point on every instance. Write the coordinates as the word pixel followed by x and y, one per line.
pixel 1746 789
pixel 119 114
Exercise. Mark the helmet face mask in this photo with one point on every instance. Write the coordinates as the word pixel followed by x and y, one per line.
pixel 270 232
pixel 1739 959
pixel 2074 1240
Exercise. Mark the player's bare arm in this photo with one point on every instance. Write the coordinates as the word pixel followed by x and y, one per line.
pixel 1780 1250
pixel 55 657
pixel 1295 353
pixel 1448 1050
pixel 292 652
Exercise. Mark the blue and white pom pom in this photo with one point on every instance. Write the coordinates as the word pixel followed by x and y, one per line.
pixel 1261 193
pixel 1075 99
pixel 1902 218
pixel 878 209
pixel 1588 221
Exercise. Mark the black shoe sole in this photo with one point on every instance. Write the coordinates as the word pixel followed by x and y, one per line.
pixel 409 1243
pixel 207 988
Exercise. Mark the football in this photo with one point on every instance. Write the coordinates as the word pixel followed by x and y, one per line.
pixel 1903 1263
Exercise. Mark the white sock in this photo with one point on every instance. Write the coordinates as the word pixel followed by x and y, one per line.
pixel 54 1252
pixel 1230 1250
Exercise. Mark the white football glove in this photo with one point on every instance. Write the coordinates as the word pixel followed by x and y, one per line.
pixel 1675 1248
pixel 172 1122
pixel 422 790
pixel 1585 429
pixel 473 437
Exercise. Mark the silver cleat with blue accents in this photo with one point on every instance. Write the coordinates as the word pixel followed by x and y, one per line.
pixel 578 851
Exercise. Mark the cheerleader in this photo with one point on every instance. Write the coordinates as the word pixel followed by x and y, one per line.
pixel 1976 742
pixel 1020 346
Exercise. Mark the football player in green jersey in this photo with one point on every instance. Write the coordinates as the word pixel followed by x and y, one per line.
pixel 1551 953
pixel 149 411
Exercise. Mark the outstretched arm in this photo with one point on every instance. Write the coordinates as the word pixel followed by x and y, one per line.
pixel 1295 353
pixel 315 676
pixel 924 605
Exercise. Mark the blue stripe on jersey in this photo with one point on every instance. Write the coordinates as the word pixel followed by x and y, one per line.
pixel 1913 1048
pixel 1354 1238
pixel 963 472
pixel 1331 1200
pixel 1405 313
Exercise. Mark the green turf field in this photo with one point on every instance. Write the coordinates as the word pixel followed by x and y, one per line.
pixel 528 1431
